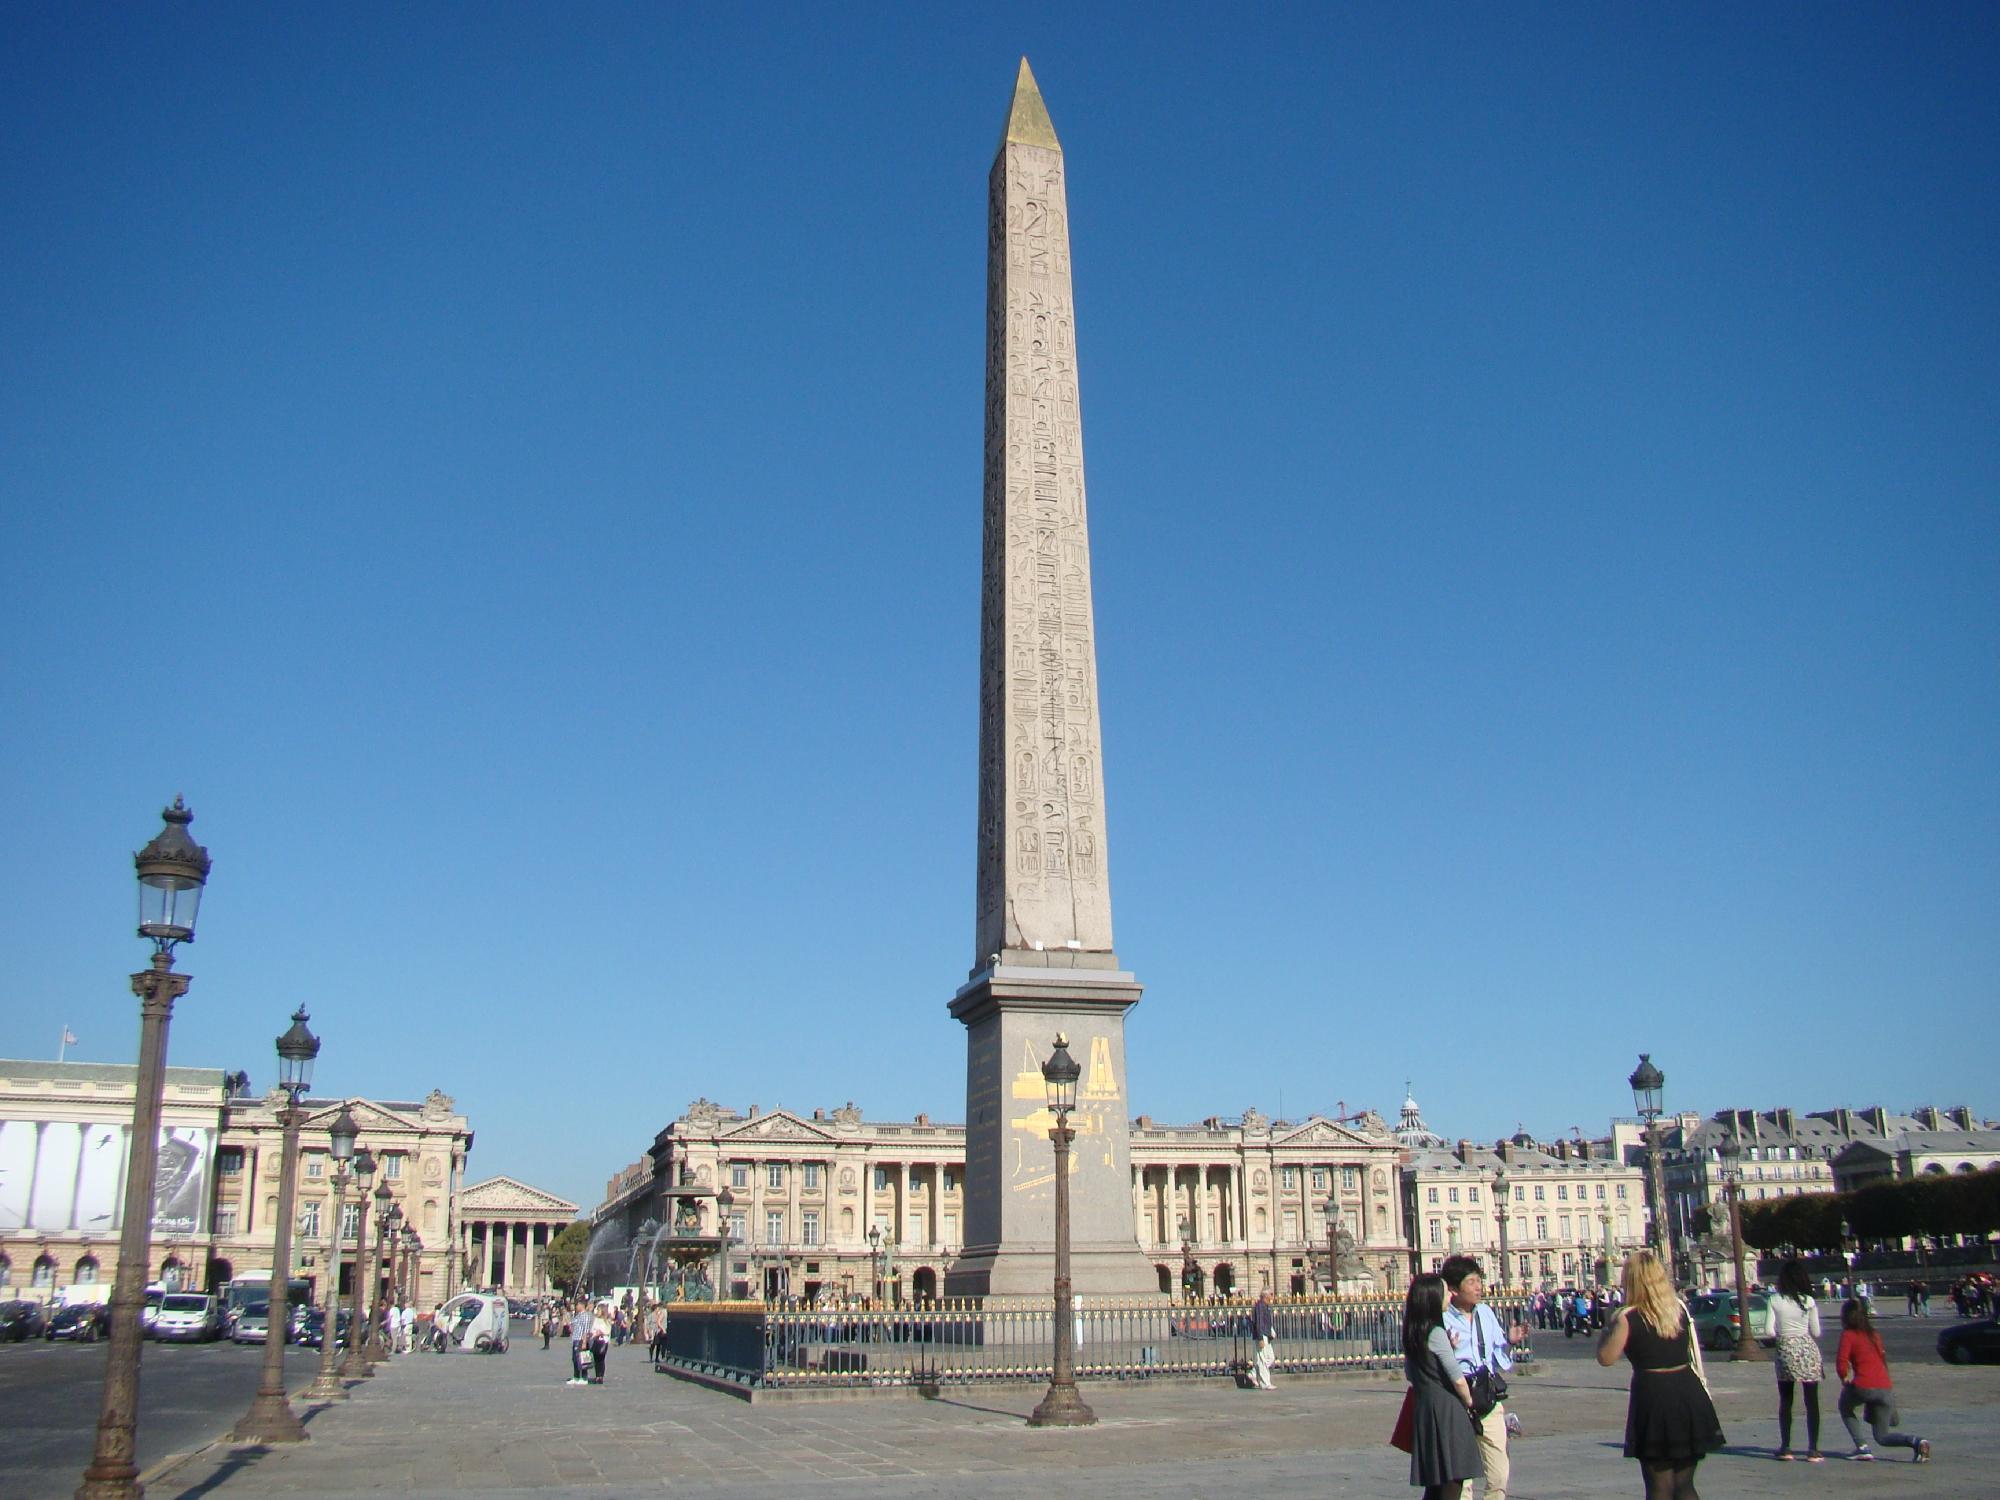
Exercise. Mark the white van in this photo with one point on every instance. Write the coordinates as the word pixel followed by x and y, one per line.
pixel 474 1323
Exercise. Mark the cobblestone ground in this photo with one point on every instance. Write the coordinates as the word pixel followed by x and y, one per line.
pixel 505 1426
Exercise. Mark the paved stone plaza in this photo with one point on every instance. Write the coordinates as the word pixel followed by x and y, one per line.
pixel 508 1426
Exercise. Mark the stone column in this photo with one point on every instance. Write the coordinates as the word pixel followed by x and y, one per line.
pixel 507 1256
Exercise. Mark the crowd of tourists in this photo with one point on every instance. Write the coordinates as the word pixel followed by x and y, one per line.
pixel 1456 1355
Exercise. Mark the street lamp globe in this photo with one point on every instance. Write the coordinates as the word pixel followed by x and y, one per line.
pixel 296 1050
pixel 1059 1075
pixel 173 868
pixel 345 1132
pixel 1648 1083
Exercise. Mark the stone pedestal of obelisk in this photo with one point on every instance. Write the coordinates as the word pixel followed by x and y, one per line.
pixel 1043 962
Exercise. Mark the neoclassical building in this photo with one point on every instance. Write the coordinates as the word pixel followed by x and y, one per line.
pixel 65 1137
pixel 1222 1205
pixel 504 1230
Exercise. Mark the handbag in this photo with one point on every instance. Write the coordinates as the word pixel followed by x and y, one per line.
pixel 1488 1388
pixel 1404 1434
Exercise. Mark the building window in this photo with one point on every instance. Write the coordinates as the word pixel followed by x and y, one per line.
pixel 86 1271
pixel 1350 1179
pixel 308 1221
pixel 1472 1195
pixel 1291 1224
pixel 1621 1192
pixel 881 1179
pixel 1430 1195
pixel 1319 1179
pixel 950 1180
pixel 1288 1178
pixel 917 1235
pixel 392 1166
pixel 1541 1226
pixel 774 1175
pixel 350 1221
pixel 774 1227
pixel 812 1176
pixel 1521 1196
pixel 1451 1195
pixel 809 1227
pixel 739 1174
pixel 1437 1230
pixel 225 1218
pixel 1539 1192
pixel 44 1272
pixel 1527 1266
pixel 1562 1192
pixel 229 1161
pixel 1478 1228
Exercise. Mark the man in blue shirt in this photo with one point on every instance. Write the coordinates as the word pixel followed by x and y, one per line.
pixel 1480 1344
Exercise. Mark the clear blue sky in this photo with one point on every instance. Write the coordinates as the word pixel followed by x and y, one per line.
pixel 517 471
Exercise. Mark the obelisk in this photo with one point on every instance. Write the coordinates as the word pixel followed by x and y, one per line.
pixel 1043 961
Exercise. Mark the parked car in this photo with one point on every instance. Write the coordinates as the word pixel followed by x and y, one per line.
pixel 188 1317
pixel 20 1319
pixel 253 1324
pixel 313 1329
pixel 1715 1320
pixel 1971 1343
pixel 86 1322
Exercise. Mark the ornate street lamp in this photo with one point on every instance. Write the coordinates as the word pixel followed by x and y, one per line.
pixel 725 1203
pixel 875 1258
pixel 1731 1152
pixel 387 1217
pixel 271 1418
pixel 1501 1205
pixel 1604 1233
pixel 413 1246
pixel 1332 1212
pixel 356 1366
pixel 384 1335
pixel 1062 1406
pixel 328 1386
pixel 1648 1082
pixel 172 870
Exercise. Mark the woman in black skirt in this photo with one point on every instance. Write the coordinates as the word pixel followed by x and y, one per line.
pixel 1670 1422
pixel 1444 1435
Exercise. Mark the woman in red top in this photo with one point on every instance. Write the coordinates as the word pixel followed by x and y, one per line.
pixel 1864 1383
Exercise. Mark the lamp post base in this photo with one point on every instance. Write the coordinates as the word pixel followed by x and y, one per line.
pixel 326 1388
pixel 110 1482
pixel 269 1420
pixel 1062 1407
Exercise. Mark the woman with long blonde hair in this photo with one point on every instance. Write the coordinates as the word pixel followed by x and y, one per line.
pixel 1670 1422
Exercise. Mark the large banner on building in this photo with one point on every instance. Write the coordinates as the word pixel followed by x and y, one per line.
pixel 68 1176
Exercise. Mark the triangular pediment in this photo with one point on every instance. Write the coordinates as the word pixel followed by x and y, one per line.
pixel 1321 1132
pixel 509 1192
pixel 778 1124
pixel 371 1118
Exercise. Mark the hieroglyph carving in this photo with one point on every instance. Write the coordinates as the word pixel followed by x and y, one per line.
pixel 1043 875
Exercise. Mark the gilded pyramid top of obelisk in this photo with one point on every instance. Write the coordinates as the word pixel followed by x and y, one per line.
pixel 1028 122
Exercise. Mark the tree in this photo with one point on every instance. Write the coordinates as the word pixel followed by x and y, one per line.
pixel 565 1256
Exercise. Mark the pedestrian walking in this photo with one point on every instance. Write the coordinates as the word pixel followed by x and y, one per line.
pixel 600 1340
pixel 1670 1420
pixel 1484 1357
pixel 579 1345
pixel 1444 1444
pixel 1262 1328
pixel 1795 1326
pixel 1865 1387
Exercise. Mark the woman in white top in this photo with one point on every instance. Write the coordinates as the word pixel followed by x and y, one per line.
pixel 1795 1325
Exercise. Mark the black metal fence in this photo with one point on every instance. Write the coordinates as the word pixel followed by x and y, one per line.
pixel 1012 1339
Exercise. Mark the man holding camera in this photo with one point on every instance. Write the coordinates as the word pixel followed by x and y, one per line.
pixel 1483 1359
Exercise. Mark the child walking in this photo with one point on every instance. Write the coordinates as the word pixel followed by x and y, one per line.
pixel 1864 1386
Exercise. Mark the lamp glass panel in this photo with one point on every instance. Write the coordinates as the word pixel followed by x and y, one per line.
pixel 167 906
